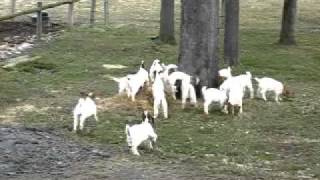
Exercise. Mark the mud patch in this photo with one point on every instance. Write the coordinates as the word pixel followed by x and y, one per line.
pixel 17 37
pixel 22 29
pixel 26 151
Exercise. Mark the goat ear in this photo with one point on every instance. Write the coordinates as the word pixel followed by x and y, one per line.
pixel 153 122
pixel 248 73
pixel 154 74
pixel 91 94
pixel 83 94
pixel 143 116
pixel 142 64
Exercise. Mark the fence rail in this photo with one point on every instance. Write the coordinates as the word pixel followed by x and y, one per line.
pixel 34 10
pixel 39 10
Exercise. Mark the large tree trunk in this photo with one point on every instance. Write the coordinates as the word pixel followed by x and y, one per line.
pixel 288 22
pixel 199 39
pixel 167 22
pixel 231 37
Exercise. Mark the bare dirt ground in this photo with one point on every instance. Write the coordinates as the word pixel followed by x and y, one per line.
pixel 17 37
pixel 22 29
pixel 44 153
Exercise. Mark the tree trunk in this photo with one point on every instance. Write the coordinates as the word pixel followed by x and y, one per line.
pixel 288 22
pixel 231 36
pixel 199 40
pixel 167 22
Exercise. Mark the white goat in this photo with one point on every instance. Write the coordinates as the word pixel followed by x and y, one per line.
pixel 243 80
pixel 187 89
pixel 168 70
pixel 225 73
pixel 123 84
pixel 136 81
pixel 173 77
pixel 211 95
pixel 139 133
pixel 154 68
pixel 266 84
pixel 85 108
pixel 236 94
pixel 159 97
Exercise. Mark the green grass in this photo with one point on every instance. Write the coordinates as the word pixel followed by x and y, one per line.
pixel 270 140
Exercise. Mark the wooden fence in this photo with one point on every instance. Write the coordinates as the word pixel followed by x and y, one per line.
pixel 70 21
pixel 39 10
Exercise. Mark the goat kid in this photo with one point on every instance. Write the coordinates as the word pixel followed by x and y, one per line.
pixel 155 68
pixel 185 86
pixel 137 81
pixel 211 95
pixel 139 133
pixel 236 94
pixel 85 108
pixel 225 73
pixel 159 97
pixel 188 91
pixel 266 84
pixel 168 70
pixel 123 84
pixel 243 80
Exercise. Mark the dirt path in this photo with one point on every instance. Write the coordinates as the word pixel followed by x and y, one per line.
pixel 42 153
pixel 25 151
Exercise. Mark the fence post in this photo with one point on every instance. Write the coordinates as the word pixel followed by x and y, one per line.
pixel 92 12
pixel 70 13
pixel 106 12
pixel 39 21
pixel 13 7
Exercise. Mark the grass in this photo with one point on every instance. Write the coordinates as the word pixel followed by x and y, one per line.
pixel 270 140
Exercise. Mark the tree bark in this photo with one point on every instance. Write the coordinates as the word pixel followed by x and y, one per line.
pixel 167 22
pixel 287 34
pixel 231 36
pixel 198 54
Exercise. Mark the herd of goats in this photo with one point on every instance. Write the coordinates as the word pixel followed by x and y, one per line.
pixel 166 79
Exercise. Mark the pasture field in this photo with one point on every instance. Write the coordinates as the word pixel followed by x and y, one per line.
pixel 268 141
